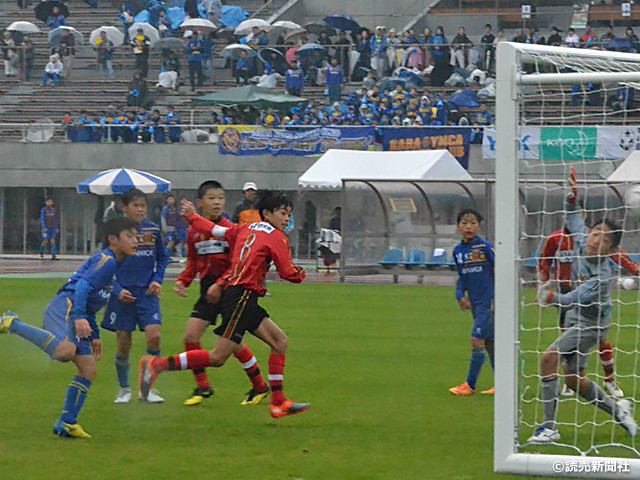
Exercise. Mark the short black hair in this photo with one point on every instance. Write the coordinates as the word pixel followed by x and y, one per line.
pixel 208 185
pixel 131 195
pixel 615 230
pixel 115 226
pixel 272 200
pixel 170 196
pixel 469 211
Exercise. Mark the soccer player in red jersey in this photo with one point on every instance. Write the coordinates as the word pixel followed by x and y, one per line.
pixel 557 255
pixel 254 247
pixel 208 258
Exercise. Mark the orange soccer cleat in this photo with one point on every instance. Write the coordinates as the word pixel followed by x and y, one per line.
pixel 491 391
pixel 288 407
pixel 148 375
pixel 463 389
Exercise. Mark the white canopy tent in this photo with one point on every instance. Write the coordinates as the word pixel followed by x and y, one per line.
pixel 329 170
pixel 627 171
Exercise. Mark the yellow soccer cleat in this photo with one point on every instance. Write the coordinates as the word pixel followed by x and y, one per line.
pixel 69 430
pixel 199 394
pixel 491 391
pixel 5 321
pixel 254 397
pixel 463 389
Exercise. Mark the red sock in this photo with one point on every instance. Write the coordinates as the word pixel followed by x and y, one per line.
pixel 251 368
pixel 606 358
pixel 276 377
pixel 191 360
pixel 201 376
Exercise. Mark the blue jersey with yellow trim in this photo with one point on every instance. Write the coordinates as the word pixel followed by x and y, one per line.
pixel 475 261
pixel 150 261
pixel 99 271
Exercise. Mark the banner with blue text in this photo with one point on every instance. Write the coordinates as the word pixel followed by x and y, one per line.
pixel 316 141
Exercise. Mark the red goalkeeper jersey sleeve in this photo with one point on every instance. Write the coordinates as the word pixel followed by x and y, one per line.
pixel 254 247
pixel 207 256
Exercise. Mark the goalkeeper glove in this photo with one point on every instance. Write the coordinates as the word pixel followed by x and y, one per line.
pixel 546 296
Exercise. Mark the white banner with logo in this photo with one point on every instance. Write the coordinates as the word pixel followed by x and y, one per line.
pixel 569 143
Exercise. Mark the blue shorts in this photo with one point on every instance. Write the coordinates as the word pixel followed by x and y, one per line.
pixel 56 321
pixel 145 311
pixel 182 235
pixel 49 233
pixel 171 237
pixel 483 322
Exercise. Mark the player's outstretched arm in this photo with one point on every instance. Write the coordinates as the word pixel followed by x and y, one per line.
pixel 574 221
pixel 281 255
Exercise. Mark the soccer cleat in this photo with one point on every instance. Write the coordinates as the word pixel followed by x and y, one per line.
pixel 254 397
pixel 41 257
pixel 463 389
pixel 625 419
pixel 147 375
pixel 152 397
pixel 53 257
pixel 544 435
pixel 288 407
pixel 5 321
pixel 613 389
pixel 491 391
pixel 566 391
pixel 199 394
pixel 69 430
pixel 124 395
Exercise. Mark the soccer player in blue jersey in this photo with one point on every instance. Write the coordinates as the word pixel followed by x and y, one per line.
pixel 70 330
pixel 49 224
pixel 475 261
pixel 136 294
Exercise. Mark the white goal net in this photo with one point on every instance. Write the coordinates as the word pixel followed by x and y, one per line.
pixel 561 110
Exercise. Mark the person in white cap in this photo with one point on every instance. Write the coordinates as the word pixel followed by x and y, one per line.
pixel 246 211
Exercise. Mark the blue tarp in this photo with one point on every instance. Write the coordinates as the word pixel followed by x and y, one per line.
pixel 233 16
pixel 142 17
pixel 465 99
pixel 176 15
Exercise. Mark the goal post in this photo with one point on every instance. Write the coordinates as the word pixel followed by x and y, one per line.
pixel 521 67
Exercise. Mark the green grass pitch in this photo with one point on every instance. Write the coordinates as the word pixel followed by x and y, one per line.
pixel 375 362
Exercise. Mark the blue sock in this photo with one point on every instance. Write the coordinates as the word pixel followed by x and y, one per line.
pixel 45 341
pixel 155 353
pixel 41 249
pixel 76 395
pixel 492 360
pixel 477 359
pixel 122 370
pixel 54 249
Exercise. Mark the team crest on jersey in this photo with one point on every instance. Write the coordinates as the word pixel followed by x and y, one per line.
pixel 147 238
pixel 476 255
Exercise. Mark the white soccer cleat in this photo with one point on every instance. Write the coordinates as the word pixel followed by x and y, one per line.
pixel 153 397
pixel 124 395
pixel 544 435
pixel 613 389
pixel 566 391
pixel 624 417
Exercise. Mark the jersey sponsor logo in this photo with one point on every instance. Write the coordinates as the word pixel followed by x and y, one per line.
pixel 211 247
pixel 472 270
pixel 565 256
pixel 145 253
pixel 262 227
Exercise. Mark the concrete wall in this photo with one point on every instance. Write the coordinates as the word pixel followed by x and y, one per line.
pixel 64 165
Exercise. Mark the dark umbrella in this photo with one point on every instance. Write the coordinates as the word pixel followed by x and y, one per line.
pixel 137 4
pixel 361 72
pixel 43 9
pixel 390 83
pixel 412 79
pixel 342 22
pixel 171 43
pixel 275 58
pixel 309 49
pixel 318 27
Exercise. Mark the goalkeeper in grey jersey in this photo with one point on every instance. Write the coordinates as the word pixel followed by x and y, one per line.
pixel 587 322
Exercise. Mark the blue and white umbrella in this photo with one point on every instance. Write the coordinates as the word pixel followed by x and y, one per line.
pixel 121 180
